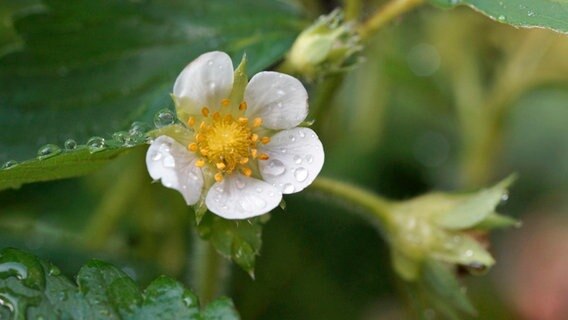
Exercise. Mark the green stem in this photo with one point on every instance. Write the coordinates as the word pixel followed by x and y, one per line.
pixel 209 270
pixel 327 90
pixel 113 205
pixel 386 14
pixel 376 206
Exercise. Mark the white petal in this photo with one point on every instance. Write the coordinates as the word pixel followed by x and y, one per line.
pixel 296 158
pixel 279 99
pixel 204 82
pixel 241 197
pixel 174 165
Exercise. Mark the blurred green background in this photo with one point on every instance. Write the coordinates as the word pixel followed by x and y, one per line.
pixel 444 100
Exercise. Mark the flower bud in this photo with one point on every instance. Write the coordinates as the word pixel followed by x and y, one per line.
pixel 446 228
pixel 327 46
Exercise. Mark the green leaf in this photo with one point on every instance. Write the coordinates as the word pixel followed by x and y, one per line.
pixel 473 209
pixel 33 289
pixel 90 68
pixel 550 14
pixel 441 284
pixel 64 164
pixel 236 240
pixel 495 220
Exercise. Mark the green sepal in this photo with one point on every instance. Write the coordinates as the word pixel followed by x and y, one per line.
pixel 240 81
pixel 475 208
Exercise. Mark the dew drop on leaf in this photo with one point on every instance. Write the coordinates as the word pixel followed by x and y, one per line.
pixel 48 151
pixel 164 118
pixel 9 164
pixel 96 144
pixel 70 144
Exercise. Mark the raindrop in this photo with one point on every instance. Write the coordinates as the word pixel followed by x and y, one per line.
pixel 275 168
pixel 120 137
pixel 468 253
pixel 259 190
pixel 302 134
pixel 501 18
pixel 210 62
pixel 279 105
pixel 301 174
pixel 297 159
pixel 283 150
pixel 288 188
pixel 259 203
pixel 531 14
pixel 246 205
pixel 96 144
pixel 48 151
pixel 9 164
pixel 309 158
pixel 219 189
pixel 193 176
pixel 476 268
pixel 70 144
pixel 292 138
pixel 164 118
pixel 156 156
pixel 280 92
pixel 240 183
pixel 169 162
pixel 504 197
pixel 54 271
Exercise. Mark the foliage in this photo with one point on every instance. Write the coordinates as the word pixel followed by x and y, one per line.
pixel 31 289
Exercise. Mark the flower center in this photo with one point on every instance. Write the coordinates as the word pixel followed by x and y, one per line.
pixel 226 142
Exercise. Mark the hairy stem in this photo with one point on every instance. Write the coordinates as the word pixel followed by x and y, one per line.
pixel 375 205
pixel 387 13
pixel 209 270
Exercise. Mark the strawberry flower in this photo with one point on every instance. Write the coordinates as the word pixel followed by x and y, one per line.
pixel 239 148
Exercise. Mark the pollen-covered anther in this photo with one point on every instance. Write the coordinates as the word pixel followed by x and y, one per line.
pixel 246 171
pixel 257 122
pixel 243 120
pixel 253 153
pixel 220 165
pixel 243 106
pixel 192 147
pixel 263 156
pixel 205 111
pixel 191 121
pixel 218 177
pixel 200 163
pixel 225 102
pixel 254 137
pixel 265 140
pixel 244 160
pixel 216 116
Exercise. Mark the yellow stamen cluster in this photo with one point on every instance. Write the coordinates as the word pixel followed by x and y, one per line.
pixel 225 142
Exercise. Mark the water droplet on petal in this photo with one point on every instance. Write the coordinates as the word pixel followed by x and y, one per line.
pixel 279 105
pixel 301 174
pixel 259 190
pixel 309 158
pixel 292 138
pixel 169 162
pixel 274 168
pixel 502 18
pixel 280 92
pixel 210 62
pixel 259 203
pixel 288 188
pixel 193 176
pixel 164 118
pixel 70 144
pixel 48 151
pixel 156 156
pixel 297 159
pixel 283 150
pixel 302 134
pixel 240 183
pixel 96 144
